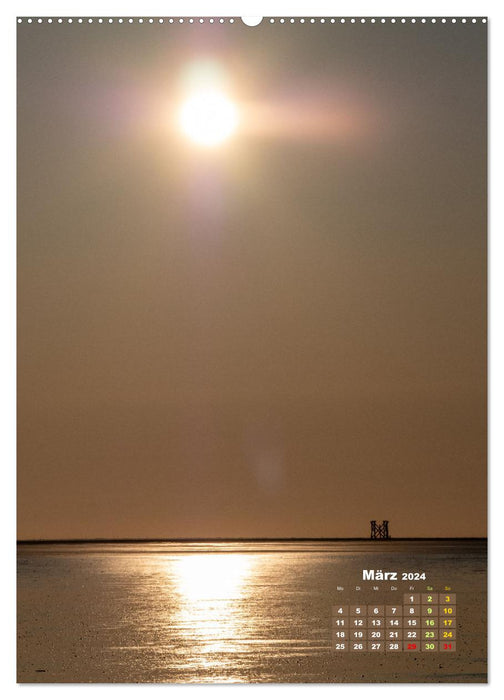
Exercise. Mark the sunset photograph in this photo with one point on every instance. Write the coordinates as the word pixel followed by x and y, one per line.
pixel 251 350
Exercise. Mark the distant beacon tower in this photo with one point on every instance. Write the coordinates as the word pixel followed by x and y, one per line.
pixel 379 531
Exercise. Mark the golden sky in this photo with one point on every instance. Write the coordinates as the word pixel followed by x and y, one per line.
pixel 283 335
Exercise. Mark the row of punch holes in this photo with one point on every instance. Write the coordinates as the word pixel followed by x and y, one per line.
pixel 231 20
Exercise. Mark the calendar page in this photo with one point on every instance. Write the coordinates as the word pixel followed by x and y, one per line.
pixel 252 282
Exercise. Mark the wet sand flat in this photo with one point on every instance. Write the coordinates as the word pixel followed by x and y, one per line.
pixel 230 612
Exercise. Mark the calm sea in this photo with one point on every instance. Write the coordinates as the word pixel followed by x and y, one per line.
pixel 230 611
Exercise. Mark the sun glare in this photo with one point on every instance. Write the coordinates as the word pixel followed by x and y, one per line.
pixel 208 117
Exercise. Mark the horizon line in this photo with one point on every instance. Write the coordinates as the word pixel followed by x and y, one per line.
pixel 101 540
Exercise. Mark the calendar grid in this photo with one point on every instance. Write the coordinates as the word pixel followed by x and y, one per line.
pixel 419 622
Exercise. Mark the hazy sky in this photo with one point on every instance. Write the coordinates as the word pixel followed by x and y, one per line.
pixel 282 336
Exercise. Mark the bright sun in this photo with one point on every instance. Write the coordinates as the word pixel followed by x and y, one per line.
pixel 208 117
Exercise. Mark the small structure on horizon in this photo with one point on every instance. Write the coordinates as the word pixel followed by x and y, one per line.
pixel 379 531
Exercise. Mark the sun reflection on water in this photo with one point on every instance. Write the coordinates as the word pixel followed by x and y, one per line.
pixel 211 577
pixel 211 589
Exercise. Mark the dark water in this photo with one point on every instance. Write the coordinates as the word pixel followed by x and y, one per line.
pixel 229 611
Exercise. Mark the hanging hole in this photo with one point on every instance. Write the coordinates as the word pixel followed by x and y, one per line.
pixel 251 21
